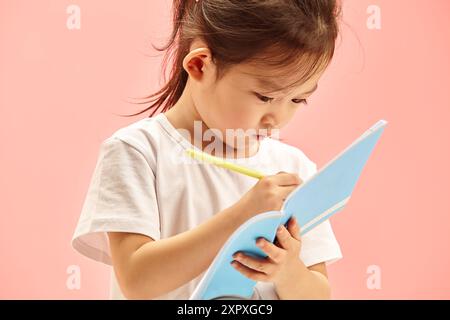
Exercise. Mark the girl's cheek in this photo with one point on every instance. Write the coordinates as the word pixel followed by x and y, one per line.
pixel 238 112
pixel 241 120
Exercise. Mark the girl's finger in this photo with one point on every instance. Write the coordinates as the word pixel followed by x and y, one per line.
pixel 274 252
pixel 257 264
pixel 294 228
pixel 248 272
pixel 284 238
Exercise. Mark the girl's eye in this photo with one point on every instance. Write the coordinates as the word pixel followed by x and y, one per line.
pixel 304 101
pixel 268 99
pixel 264 98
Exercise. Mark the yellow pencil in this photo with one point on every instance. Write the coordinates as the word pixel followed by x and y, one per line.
pixel 223 164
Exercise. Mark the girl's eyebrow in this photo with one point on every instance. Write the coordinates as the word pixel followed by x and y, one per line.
pixel 269 84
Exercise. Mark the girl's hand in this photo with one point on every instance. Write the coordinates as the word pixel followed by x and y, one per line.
pixel 282 260
pixel 268 194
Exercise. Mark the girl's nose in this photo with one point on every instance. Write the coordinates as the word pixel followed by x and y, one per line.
pixel 269 122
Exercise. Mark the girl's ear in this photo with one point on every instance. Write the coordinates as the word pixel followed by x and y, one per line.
pixel 197 62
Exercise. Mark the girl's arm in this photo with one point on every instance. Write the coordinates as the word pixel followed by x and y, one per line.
pixel 146 269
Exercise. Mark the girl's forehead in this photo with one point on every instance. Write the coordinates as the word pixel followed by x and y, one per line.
pixel 274 82
pixel 263 77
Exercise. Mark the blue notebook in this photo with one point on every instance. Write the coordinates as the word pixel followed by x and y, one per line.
pixel 314 201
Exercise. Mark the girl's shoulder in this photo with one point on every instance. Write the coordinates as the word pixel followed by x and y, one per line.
pixel 143 136
pixel 139 134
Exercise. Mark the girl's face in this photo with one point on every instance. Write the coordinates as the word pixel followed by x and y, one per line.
pixel 240 101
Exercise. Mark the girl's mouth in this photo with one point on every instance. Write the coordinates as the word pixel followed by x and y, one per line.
pixel 259 136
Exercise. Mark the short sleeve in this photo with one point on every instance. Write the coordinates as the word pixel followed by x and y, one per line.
pixel 319 244
pixel 121 197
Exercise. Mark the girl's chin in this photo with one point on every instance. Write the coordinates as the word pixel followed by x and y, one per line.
pixel 250 147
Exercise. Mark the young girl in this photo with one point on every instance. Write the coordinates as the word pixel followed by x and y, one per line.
pixel 159 220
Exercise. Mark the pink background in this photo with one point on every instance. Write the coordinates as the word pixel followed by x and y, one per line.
pixel 61 91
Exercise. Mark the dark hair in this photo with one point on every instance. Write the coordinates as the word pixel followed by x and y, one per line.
pixel 281 35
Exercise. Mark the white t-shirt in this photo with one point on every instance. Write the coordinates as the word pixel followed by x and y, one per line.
pixel 140 185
